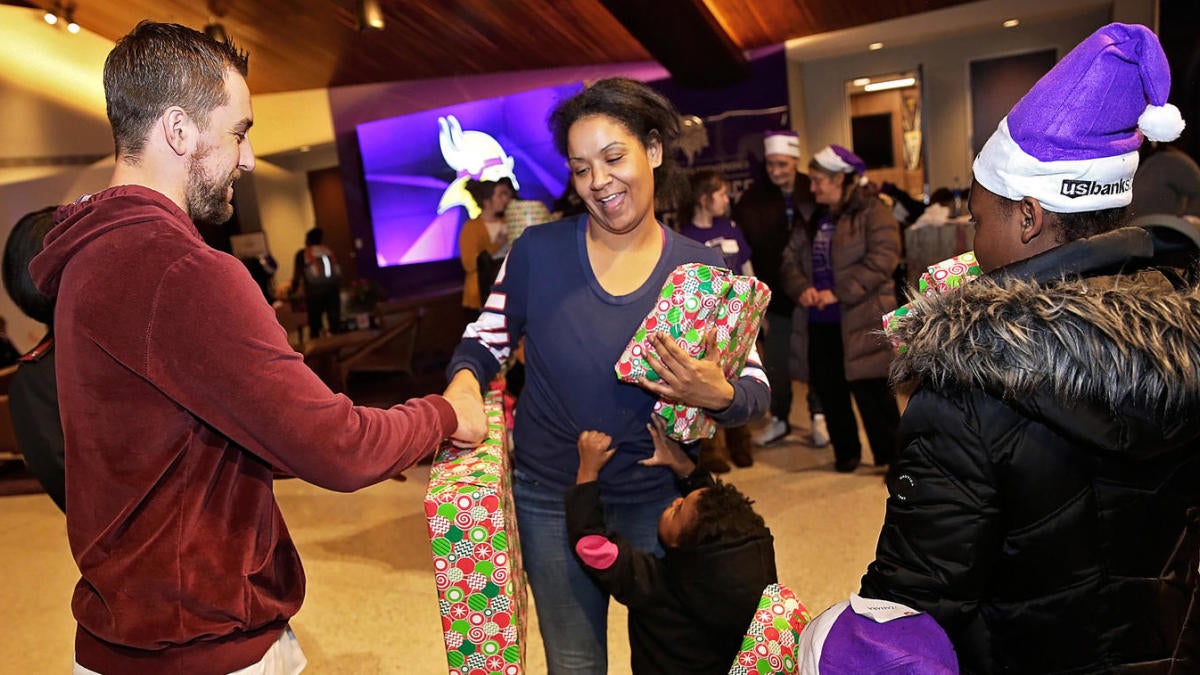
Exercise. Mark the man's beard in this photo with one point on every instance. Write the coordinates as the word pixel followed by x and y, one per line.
pixel 206 198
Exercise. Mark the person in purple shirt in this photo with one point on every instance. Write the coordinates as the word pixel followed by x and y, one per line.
pixel 576 290
pixel 704 217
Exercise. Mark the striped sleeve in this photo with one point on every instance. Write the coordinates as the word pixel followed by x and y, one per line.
pixel 489 341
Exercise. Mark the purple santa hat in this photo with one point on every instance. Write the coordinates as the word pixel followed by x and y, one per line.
pixel 862 635
pixel 1072 141
pixel 836 159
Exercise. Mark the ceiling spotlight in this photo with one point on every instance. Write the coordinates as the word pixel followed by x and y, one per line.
pixel 69 17
pixel 370 15
pixel 1012 23
pixel 62 14
pixel 861 81
pixel 875 46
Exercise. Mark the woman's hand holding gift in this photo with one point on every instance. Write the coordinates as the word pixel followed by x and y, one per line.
pixel 700 383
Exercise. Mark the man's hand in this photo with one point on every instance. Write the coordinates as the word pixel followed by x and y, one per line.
pixel 693 382
pixel 667 451
pixel 464 396
pixel 826 298
pixel 595 449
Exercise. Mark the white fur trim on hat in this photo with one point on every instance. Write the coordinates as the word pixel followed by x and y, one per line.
pixel 782 144
pixel 831 161
pixel 1062 186
pixel 812 639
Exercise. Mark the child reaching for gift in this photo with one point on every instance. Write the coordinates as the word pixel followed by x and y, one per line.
pixel 688 610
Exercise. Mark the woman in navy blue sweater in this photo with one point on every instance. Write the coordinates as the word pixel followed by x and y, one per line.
pixel 577 290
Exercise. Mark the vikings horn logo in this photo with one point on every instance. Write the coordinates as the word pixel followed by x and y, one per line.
pixel 473 154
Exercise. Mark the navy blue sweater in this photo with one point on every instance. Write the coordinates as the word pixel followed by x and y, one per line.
pixel 574 333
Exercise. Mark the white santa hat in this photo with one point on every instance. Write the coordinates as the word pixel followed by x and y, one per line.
pixel 781 143
pixel 1072 141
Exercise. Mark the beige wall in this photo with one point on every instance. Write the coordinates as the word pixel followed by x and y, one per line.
pixel 825 117
pixel 286 213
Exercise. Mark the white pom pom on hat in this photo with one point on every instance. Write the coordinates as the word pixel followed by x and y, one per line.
pixel 1161 123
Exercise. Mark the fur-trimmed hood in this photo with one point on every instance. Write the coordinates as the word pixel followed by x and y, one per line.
pixel 1111 360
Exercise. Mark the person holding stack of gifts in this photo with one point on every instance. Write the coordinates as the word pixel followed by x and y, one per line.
pixel 576 290
pixel 1045 500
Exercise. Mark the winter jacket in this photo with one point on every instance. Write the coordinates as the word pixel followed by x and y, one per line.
pixel 1050 456
pixel 866 250
pixel 761 212
pixel 689 610
pixel 180 398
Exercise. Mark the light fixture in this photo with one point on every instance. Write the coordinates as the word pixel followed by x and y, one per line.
pixel 875 46
pixel 1012 23
pixel 891 84
pixel 62 14
pixel 862 81
pixel 370 15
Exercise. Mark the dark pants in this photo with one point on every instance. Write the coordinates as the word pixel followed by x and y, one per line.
pixel 876 403
pixel 777 349
pixel 323 301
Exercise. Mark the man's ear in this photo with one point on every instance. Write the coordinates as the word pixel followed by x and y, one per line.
pixel 654 149
pixel 1033 219
pixel 179 130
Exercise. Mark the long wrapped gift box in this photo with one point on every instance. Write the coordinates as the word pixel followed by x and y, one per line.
pixel 770 643
pixel 476 553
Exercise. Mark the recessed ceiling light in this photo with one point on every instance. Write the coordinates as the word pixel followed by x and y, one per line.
pixel 1012 23
pixel 305 148
pixel 891 84
pixel 875 46
pixel 861 81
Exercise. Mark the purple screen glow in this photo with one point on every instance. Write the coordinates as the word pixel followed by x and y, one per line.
pixel 416 165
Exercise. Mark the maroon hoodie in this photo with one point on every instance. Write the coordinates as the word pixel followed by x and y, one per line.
pixel 179 396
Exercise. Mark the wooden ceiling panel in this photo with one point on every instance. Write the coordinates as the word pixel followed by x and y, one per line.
pixel 308 44
pixel 753 24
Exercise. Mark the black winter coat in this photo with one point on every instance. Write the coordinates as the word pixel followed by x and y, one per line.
pixel 761 212
pixel 1050 456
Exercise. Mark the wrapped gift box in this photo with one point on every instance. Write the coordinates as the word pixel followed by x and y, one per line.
pixel 477 555
pixel 695 300
pixel 770 643
pixel 938 278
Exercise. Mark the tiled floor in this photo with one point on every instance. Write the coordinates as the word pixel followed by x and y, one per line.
pixel 371 605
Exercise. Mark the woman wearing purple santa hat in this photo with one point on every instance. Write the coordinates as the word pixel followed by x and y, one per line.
pixel 839 269
pixel 1044 500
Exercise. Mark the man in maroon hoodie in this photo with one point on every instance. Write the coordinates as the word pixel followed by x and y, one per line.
pixel 180 396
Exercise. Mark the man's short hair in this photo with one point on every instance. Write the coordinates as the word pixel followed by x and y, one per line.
pixel 723 514
pixel 159 65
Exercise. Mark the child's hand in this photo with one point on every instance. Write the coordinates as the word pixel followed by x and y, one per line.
pixel 667 451
pixel 595 449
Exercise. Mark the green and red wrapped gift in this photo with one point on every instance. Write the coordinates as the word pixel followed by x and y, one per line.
pixel 939 278
pixel 476 553
pixel 770 643
pixel 695 300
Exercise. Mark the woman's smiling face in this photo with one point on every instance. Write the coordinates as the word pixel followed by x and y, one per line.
pixel 613 171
